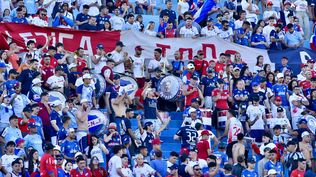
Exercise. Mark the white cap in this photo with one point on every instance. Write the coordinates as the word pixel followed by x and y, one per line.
pixel 192 110
pixel 70 130
pixel 272 172
pixel 36 81
pixel 55 103
pixel 86 76
pixel 83 100
pixel 72 65
pixel 190 66
pixel 305 133
pixel 279 75
pixel 57 148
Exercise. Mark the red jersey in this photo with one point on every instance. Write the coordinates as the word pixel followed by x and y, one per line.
pixel 297 173
pixel 44 114
pixel 221 103
pixel 107 73
pixel 219 67
pixel 75 173
pixel 170 33
pixel 188 98
pixel 305 84
pixel 99 172
pixel 202 147
pixel 53 62
pixel 81 63
pixel 48 165
pixel 139 95
pixel 24 128
pixel 201 65
pixel 47 71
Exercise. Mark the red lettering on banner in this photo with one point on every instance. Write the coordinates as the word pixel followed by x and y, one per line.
pixel 163 48
pixel 212 47
pixel 231 52
pixel 190 51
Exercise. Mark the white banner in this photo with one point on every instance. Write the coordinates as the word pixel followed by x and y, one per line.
pixel 188 47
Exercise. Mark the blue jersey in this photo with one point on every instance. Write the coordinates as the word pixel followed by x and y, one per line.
pixel 70 148
pixel 188 136
pixel 258 38
pixel 9 86
pixel 223 156
pixel 86 92
pixel 275 45
pixel 19 20
pixel 150 108
pixel 281 90
pixel 277 166
pixel 39 124
pixel 247 80
pixel 209 85
pixel 177 66
pixel 56 117
pixel 101 20
pixel 82 17
pixel 247 173
pixel 245 40
pixel 240 93
pixel 146 138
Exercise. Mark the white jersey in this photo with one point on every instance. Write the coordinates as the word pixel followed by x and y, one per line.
pixel 98 67
pixel 117 22
pixel 234 128
pixel 114 164
pixel 117 57
pixel 138 66
pixel 253 112
pixel 144 170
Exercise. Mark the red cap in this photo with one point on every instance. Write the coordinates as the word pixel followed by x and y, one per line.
pixel 303 65
pixel 138 48
pixel 155 141
pixel 269 3
pixel 205 132
pixel 278 98
pixel 200 52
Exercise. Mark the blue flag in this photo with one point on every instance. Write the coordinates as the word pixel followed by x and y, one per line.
pixel 201 14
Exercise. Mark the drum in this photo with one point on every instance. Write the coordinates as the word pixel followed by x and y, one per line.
pixel 170 88
pixel 97 122
pixel 311 123
pixel 128 85
pixel 100 85
pixel 55 95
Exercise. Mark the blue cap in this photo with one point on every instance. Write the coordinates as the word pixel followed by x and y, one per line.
pixel 126 140
pixel 2 65
pixel 149 123
pixel 100 46
pixel 32 125
pixel 210 19
pixel 254 84
pixel 303 121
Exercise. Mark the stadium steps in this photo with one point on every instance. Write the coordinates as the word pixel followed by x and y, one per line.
pixel 167 135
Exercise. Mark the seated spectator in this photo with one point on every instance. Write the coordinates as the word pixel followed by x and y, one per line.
pixel 226 32
pixel 117 22
pixel 258 40
pixel 209 30
pixel 243 34
pixel 169 31
pixel 141 6
pixel 269 12
pixel 189 31
pixel 91 25
pixel 41 18
pixel 19 17
pixel 293 39
pixel 130 23
pixel 6 16
pixel 103 17
pixel 62 21
pixel 150 30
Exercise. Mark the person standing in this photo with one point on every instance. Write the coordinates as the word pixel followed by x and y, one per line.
pixel 119 57
pixel 115 163
pixel 70 146
pixel 47 164
pixel 139 66
pixel 82 119
pixel 300 171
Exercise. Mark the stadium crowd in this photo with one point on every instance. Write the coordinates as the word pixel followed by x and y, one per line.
pixel 268 113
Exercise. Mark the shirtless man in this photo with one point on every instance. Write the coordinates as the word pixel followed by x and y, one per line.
pixel 306 148
pixel 120 103
pixel 82 119
pixel 238 148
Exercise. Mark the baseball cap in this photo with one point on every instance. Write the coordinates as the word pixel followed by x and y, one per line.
pixel 112 126
pixel 155 141
pixel 120 43
pixel 210 19
pixel 86 76
pixel 149 123
pixel 254 84
pixel 205 132
pixel 252 160
pixel 72 65
pixel 302 121
pixel 303 65
pixel 305 133
pixel 191 110
pixel 310 61
pixel 280 75
pixel 18 141
pixel 58 68
pixel 57 148
pixel 194 100
pixel 83 100
pixel 200 52
pixel 70 130
pixel 32 125
pixel 50 146
pixel 279 109
pixel 278 98
pixel 269 3
pixel 138 48
pixel 126 140
pixel 100 46
pixel 13 71
pixel 36 81
pixel 158 70
pixel 190 66
pixel 272 172
pixel 236 68
pixel 195 78
pixel 55 103
pixel 287 2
